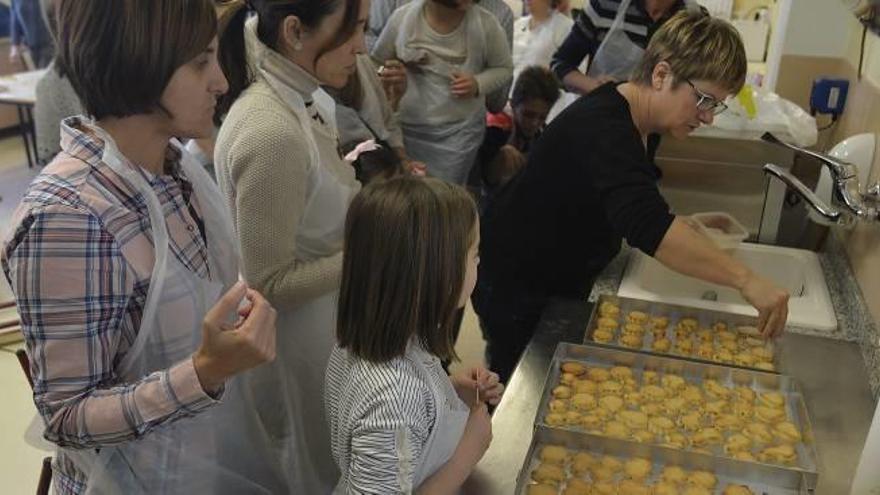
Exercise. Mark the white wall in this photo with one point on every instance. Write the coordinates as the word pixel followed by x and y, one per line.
pixel 818 28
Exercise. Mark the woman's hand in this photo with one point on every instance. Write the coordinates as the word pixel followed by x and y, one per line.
pixel 464 85
pixel 467 383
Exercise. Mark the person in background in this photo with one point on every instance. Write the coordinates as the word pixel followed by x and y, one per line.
pixel 55 101
pixel 455 54
pixel 124 266
pixel 398 422
pixel 288 188
pixel 29 33
pixel 537 36
pixel 589 184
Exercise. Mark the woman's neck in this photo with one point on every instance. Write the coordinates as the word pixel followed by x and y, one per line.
pixel 640 109
pixel 443 19
pixel 140 139
pixel 539 16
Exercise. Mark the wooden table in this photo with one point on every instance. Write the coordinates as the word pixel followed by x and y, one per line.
pixel 20 90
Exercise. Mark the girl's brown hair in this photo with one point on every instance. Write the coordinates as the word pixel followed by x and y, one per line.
pixel 406 243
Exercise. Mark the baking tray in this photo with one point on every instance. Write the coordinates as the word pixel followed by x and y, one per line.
pixel 695 372
pixel 705 317
pixel 760 479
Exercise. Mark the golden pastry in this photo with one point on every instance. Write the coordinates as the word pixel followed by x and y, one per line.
pixel 674 406
pixel 769 414
pixel 632 399
pixel 609 309
pixel 696 490
pixel 600 474
pixel 603 413
pixel 573 418
pixel 567 378
pixel 765 366
pixel 754 342
pixel 704 479
pixel 715 408
pixel 786 431
pixel 744 393
pixel 632 341
pixel 661 345
pixel 603 336
pixel 715 390
pixel 607 324
pixel 650 377
pixel 692 394
pixel 610 388
pixel 643 436
pixel 758 432
pixel 574 368
pixel 658 333
pixel 772 399
pixel 614 464
pixel 719 326
pixel 737 490
pixel 621 373
pixel 576 486
pixel 630 385
pixel 611 403
pixel 586 387
pixel 549 474
pixel 691 421
pixel 705 350
pixel 707 436
pixel 743 359
pixel 598 375
pixel 676 440
pixel 781 454
pixel 660 322
pixel 743 409
pixel 616 429
pixel 555 419
pixel 726 336
pixel 653 393
pixel 634 420
pixel 633 329
pixel 674 475
pixel 748 330
pixel 660 425
pixel 651 408
pixel 581 463
pixel 637 469
pixel 728 345
pixel 637 317
pixel 673 383
pixel 604 488
pixel 762 353
pixel 562 392
pixel 558 406
pixel 728 422
pixel 705 335
pixel 744 455
pixel 542 489
pixel 665 488
pixel 684 347
pixel 736 443
pixel 722 356
pixel 591 422
pixel 630 487
pixel 584 402
pixel 688 324
pixel 554 454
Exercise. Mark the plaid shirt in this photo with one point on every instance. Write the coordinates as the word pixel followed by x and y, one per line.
pixel 79 257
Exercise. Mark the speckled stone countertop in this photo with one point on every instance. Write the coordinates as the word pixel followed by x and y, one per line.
pixel 854 321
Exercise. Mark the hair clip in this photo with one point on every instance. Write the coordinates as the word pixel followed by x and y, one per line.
pixel 368 145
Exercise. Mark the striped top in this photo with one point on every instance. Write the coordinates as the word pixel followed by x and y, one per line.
pixel 591 26
pixel 381 416
pixel 79 257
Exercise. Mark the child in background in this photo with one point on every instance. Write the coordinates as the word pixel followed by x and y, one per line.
pixel 398 422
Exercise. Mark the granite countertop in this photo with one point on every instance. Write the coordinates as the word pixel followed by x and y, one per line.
pixel 855 323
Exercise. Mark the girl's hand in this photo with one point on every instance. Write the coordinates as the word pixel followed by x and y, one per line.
pixel 467 384
pixel 464 85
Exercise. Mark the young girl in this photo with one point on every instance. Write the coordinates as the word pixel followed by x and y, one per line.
pixel 398 422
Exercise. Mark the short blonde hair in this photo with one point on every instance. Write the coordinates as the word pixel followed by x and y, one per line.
pixel 696 46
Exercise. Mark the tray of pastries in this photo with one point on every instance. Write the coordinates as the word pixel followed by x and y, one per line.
pixel 677 405
pixel 697 334
pixel 558 463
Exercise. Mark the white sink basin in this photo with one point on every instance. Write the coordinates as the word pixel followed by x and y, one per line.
pixel 796 270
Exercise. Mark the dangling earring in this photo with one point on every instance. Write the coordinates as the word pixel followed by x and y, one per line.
pixel 298 45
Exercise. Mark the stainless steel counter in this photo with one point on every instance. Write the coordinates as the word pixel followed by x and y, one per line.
pixel 831 374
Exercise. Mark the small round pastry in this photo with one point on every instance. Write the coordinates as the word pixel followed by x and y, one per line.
pixel 632 399
pixel 762 353
pixel 608 324
pixel 765 366
pixel 715 390
pixel 637 317
pixel 715 408
pixel 729 345
pixel 603 336
pixel 673 383
pixel 621 373
pixel 665 488
pixel 758 432
pixel 684 347
pixel 736 443
pixel 604 488
pixel 676 440
pixel 603 413
pixel 555 419
pixel 573 418
pixel 706 437
pixel 653 393
pixel 630 385
pixel 558 406
pixel 610 388
pixel 650 377
pixel 737 490
pixel 660 425
pixel 689 325
pixel 631 487
pixel 658 333
pixel 634 329
pixel 575 486
pixel 567 378
pixel 660 322
pixel 651 408
pixel 574 367
pixel 719 326
pixel 705 336
pixel 586 387
pixel 582 462
pixel 696 490
pixel 728 422
pixel 632 341
pixel 691 421
pixel 772 399
pixel 600 474
pixel 748 330
pixel 745 410
pixel 584 402
pixel 549 474
pixel 609 309
pixel 744 393
pixel 554 454
pixel 643 436
pixel 743 359
pixel 705 350
pixel 744 455
pixel 722 356
pixel 598 375
pixel 692 394
pixel 611 403
pixel 661 344
pixel 637 469
pixel 674 475
pixel 781 454
pixel 542 489
pixel 616 429
pixel 726 336
pixel 614 464
pixel 591 422
pixel 562 392
pixel 769 415
pixel 634 420
pixel 754 342
pixel 704 479
pixel 674 406
pixel 787 432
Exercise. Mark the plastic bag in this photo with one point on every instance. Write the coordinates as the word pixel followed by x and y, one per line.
pixel 756 110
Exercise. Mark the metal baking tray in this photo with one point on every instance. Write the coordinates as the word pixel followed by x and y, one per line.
pixel 705 317
pixel 694 372
pixel 762 480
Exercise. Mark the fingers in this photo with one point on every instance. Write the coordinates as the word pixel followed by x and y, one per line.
pixel 228 303
pixel 763 317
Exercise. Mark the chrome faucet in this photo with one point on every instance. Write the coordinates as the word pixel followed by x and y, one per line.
pixel 846 190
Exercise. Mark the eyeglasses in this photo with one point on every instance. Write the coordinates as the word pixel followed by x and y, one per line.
pixel 707 102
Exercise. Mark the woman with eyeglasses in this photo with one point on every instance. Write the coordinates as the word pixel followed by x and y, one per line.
pixel 589 184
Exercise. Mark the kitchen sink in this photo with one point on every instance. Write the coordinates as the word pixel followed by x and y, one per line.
pixel 797 270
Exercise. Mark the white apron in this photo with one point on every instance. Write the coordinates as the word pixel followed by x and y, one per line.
pixel 184 456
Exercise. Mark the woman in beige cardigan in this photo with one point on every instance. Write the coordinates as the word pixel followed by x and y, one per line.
pixel 289 190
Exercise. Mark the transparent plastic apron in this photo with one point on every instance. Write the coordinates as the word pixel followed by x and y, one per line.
pixel 180 456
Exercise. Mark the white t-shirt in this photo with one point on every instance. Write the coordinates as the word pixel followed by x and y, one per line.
pixel 536 46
